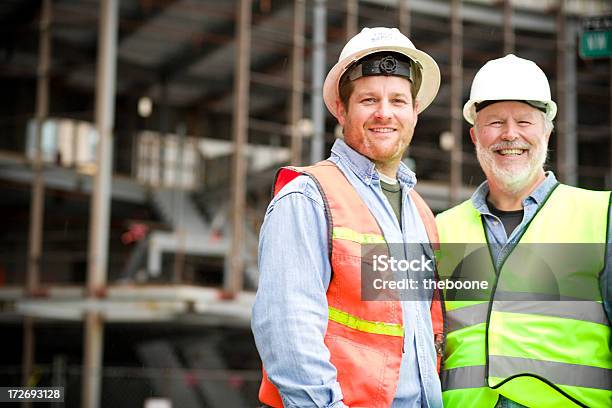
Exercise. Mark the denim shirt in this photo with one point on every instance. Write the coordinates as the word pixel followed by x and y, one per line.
pixel 290 314
pixel 503 244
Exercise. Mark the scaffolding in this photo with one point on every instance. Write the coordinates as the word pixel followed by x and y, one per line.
pixel 246 48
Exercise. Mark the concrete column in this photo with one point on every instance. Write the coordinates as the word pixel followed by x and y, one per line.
pixel 571 104
pixel 105 112
pixel 352 18
pixel 100 200
pixel 38 188
pixel 509 39
pixel 234 277
pixel 37 206
pixel 456 95
pixel 566 142
pixel 93 343
pixel 318 76
pixel 297 80
pixel 403 11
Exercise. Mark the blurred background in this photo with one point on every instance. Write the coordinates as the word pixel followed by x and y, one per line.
pixel 139 140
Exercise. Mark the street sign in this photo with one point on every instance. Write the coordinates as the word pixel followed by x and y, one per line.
pixel 596 44
pixel 596 37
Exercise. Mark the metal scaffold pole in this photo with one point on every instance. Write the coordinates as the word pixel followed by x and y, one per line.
pixel 234 277
pixel 297 80
pixel 37 207
pixel 456 95
pixel 105 110
pixel 508 28
pixel 38 187
pixel 403 7
pixel 318 75
pixel 100 201
pixel 93 358
pixel 352 18
pixel 571 103
pixel 560 131
pixel 567 143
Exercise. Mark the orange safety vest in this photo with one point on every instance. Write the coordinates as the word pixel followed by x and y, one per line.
pixel 367 361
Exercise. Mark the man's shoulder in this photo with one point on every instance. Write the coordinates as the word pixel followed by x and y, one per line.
pixel 310 182
pixel 582 191
pixel 581 196
pixel 303 185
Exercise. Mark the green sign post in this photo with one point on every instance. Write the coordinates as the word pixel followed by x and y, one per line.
pixel 596 37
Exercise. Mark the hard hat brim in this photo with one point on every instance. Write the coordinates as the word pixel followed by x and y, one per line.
pixel 430 73
pixel 469 109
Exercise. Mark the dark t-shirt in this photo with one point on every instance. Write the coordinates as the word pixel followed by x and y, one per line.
pixel 510 219
pixel 394 195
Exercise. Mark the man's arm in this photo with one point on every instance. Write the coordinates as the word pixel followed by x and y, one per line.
pixel 290 312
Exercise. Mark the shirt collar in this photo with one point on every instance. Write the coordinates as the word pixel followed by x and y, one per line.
pixel 364 168
pixel 537 196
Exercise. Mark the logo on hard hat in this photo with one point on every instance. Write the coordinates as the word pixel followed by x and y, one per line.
pixel 381 36
pixel 388 65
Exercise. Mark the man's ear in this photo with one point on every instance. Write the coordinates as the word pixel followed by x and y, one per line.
pixel 340 112
pixel 473 135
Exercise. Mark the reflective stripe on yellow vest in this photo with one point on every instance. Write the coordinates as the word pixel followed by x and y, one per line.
pixel 537 353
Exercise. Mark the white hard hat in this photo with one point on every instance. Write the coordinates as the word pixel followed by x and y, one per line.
pixel 510 79
pixel 372 40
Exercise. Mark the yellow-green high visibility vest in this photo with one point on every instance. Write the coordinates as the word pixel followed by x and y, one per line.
pixel 537 352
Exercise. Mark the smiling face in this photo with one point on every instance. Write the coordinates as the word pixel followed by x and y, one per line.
pixel 511 144
pixel 379 120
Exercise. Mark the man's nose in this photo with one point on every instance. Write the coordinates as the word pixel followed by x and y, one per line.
pixel 383 110
pixel 510 131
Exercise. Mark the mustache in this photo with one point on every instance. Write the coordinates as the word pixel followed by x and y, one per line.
pixel 509 145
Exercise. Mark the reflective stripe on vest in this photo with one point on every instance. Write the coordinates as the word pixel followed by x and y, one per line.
pixel 575 368
pixel 463 317
pixel 558 373
pixel 366 326
pixel 351 235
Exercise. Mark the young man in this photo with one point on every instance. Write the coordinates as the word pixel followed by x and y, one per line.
pixel 541 336
pixel 321 344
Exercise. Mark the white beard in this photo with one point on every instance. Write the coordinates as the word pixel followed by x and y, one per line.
pixel 512 179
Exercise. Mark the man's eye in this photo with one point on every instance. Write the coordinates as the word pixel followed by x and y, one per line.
pixel 496 123
pixel 524 123
pixel 368 101
pixel 398 101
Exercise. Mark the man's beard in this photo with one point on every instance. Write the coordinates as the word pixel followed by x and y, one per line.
pixel 512 179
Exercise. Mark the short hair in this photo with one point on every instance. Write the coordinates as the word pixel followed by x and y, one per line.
pixel 548 123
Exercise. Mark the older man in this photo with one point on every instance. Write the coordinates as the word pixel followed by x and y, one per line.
pixel 321 344
pixel 540 336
